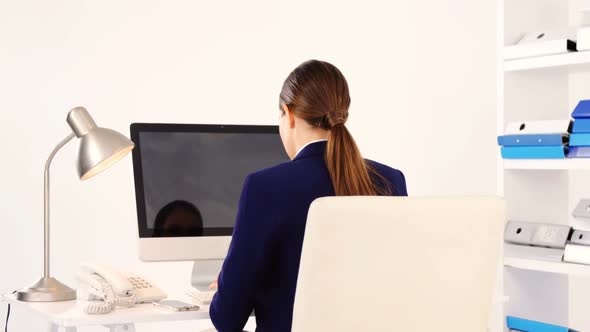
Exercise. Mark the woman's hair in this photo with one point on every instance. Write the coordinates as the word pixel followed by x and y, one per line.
pixel 317 92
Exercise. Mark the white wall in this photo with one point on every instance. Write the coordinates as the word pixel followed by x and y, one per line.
pixel 422 78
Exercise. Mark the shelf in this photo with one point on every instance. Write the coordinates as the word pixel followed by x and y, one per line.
pixel 547 164
pixel 549 267
pixel 570 61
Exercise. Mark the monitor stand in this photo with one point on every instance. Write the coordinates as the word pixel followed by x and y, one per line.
pixel 204 273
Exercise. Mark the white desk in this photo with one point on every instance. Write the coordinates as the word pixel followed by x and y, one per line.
pixel 69 315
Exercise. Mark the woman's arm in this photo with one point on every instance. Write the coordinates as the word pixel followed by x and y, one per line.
pixel 246 262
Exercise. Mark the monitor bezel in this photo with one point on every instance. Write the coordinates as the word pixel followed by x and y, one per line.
pixel 137 128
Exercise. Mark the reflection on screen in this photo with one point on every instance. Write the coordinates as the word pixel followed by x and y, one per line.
pixel 192 181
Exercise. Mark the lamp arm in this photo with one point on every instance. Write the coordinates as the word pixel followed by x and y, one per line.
pixel 46 193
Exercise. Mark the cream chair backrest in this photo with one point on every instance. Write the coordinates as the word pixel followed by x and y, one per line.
pixel 399 264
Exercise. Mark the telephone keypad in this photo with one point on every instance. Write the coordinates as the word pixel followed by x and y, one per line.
pixel 139 283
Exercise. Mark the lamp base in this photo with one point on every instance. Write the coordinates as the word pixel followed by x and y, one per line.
pixel 46 290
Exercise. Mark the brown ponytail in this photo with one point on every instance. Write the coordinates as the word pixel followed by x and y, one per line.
pixel 317 92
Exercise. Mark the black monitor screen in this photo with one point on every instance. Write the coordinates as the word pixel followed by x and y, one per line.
pixel 188 178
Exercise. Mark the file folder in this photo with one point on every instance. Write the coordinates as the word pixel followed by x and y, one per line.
pixel 581 126
pixel 533 140
pixel 521 324
pixel 582 210
pixel 581 237
pixel 538 127
pixel 539 48
pixel 533 152
pixel 537 234
pixel 582 110
pixel 580 140
pixel 579 152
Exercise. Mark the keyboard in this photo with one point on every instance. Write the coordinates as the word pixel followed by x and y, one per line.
pixel 204 297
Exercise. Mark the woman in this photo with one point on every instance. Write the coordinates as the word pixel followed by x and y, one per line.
pixel 260 270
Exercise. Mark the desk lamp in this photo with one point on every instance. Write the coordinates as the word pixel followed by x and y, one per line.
pixel 99 148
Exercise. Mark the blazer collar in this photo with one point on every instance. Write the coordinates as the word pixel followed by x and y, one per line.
pixel 316 149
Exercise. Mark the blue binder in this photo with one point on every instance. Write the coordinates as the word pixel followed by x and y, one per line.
pixel 581 126
pixel 526 325
pixel 533 140
pixel 582 110
pixel 579 152
pixel 533 152
pixel 580 140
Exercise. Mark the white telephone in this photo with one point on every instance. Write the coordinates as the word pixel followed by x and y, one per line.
pixel 104 289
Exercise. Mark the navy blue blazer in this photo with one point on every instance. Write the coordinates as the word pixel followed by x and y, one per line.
pixel 261 267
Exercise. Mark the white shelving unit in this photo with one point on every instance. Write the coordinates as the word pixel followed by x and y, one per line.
pixel 547 164
pixel 548 267
pixel 543 88
pixel 574 61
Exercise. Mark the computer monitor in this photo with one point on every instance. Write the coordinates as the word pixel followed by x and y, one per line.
pixel 188 180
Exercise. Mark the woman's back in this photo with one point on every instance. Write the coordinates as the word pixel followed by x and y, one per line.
pixel 261 269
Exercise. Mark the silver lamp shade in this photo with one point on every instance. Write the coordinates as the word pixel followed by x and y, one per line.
pixel 99 147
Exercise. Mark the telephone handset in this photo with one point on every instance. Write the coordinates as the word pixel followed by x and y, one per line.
pixel 105 288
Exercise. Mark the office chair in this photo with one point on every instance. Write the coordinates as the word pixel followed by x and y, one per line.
pixel 399 264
